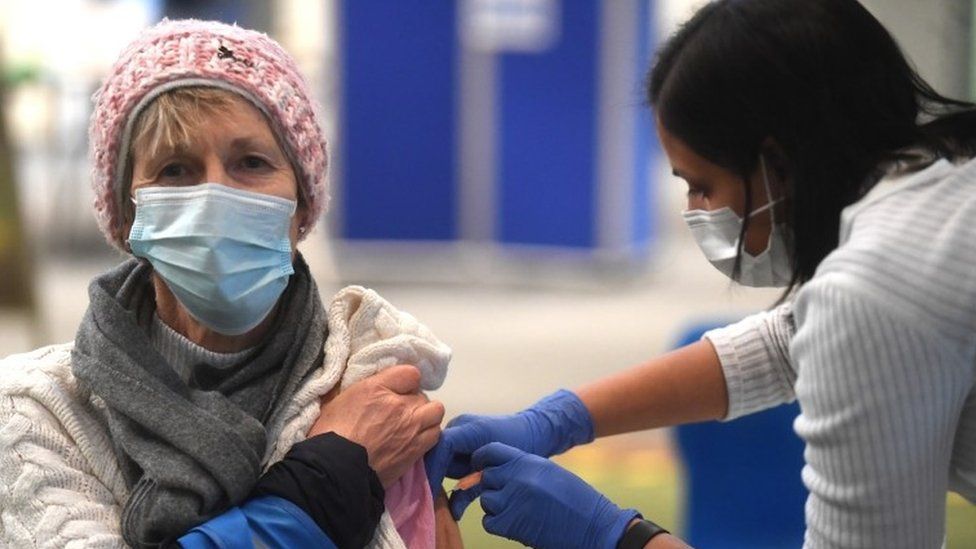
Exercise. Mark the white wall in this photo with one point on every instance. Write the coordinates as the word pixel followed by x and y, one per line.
pixel 935 34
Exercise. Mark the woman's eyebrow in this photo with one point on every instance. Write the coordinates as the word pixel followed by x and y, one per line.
pixel 254 142
pixel 689 178
pixel 161 154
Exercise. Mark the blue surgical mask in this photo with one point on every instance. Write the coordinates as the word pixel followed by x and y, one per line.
pixel 223 252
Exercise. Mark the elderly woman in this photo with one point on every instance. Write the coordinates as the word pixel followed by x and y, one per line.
pixel 204 398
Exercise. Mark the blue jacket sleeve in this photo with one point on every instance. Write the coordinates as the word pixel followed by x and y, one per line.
pixel 267 521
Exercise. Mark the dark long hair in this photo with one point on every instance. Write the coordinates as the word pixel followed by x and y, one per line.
pixel 825 82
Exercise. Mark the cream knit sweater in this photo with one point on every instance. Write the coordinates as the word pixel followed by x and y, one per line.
pixel 60 483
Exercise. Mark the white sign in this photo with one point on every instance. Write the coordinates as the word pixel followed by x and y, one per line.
pixel 510 25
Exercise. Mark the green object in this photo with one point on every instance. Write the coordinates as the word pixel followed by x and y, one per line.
pixel 16 291
pixel 20 74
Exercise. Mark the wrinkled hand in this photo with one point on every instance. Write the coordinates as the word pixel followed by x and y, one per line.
pixel 550 426
pixel 532 500
pixel 387 415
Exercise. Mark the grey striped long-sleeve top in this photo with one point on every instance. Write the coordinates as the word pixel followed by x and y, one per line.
pixel 879 348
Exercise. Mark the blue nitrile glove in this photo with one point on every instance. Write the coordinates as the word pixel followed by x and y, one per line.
pixel 532 500
pixel 549 427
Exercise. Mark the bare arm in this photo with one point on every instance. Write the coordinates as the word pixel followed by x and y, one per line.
pixel 682 386
pixel 663 541
pixel 666 541
pixel 447 532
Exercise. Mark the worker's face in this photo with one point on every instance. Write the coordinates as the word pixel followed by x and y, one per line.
pixel 711 187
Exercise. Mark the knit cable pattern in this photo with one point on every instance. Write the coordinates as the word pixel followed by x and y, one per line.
pixel 60 483
pixel 57 485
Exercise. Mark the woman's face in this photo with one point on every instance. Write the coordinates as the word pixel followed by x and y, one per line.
pixel 711 187
pixel 237 150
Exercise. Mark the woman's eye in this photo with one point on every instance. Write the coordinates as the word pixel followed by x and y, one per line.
pixel 252 162
pixel 173 170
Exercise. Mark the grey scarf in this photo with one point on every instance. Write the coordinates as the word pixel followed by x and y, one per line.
pixel 188 452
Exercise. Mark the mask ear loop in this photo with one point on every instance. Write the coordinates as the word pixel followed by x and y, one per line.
pixel 769 195
pixel 128 247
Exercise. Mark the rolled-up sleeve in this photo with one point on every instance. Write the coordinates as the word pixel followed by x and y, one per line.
pixel 754 354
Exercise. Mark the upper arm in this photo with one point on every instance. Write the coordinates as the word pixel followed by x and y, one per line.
pixel 49 496
pixel 755 359
pixel 447 532
pixel 880 395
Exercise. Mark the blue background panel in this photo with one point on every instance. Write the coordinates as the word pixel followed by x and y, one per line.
pixel 547 136
pixel 646 144
pixel 398 134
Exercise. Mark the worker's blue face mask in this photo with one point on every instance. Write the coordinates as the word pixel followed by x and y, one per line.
pixel 717 234
pixel 223 252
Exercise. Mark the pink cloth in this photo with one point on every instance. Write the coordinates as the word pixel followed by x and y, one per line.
pixel 411 507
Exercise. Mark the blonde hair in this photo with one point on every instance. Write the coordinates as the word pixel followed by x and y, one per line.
pixel 171 119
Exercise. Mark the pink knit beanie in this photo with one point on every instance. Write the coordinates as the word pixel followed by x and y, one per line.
pixel 189 52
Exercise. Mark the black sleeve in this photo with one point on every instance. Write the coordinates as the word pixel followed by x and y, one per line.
pixel 329 477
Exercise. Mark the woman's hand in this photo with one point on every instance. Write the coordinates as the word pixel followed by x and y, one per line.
pixel 387 415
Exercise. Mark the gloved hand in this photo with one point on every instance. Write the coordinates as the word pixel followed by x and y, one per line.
pixel 551 426
pixel 532 500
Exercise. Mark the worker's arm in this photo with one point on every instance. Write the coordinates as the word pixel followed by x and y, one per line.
pixel 678 387
pixel 683 386
pixel 664 540
pixel 733 371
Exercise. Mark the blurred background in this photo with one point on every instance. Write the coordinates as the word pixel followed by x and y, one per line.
pixel 494 172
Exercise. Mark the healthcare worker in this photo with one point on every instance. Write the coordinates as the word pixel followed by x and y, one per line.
pixel 817 161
